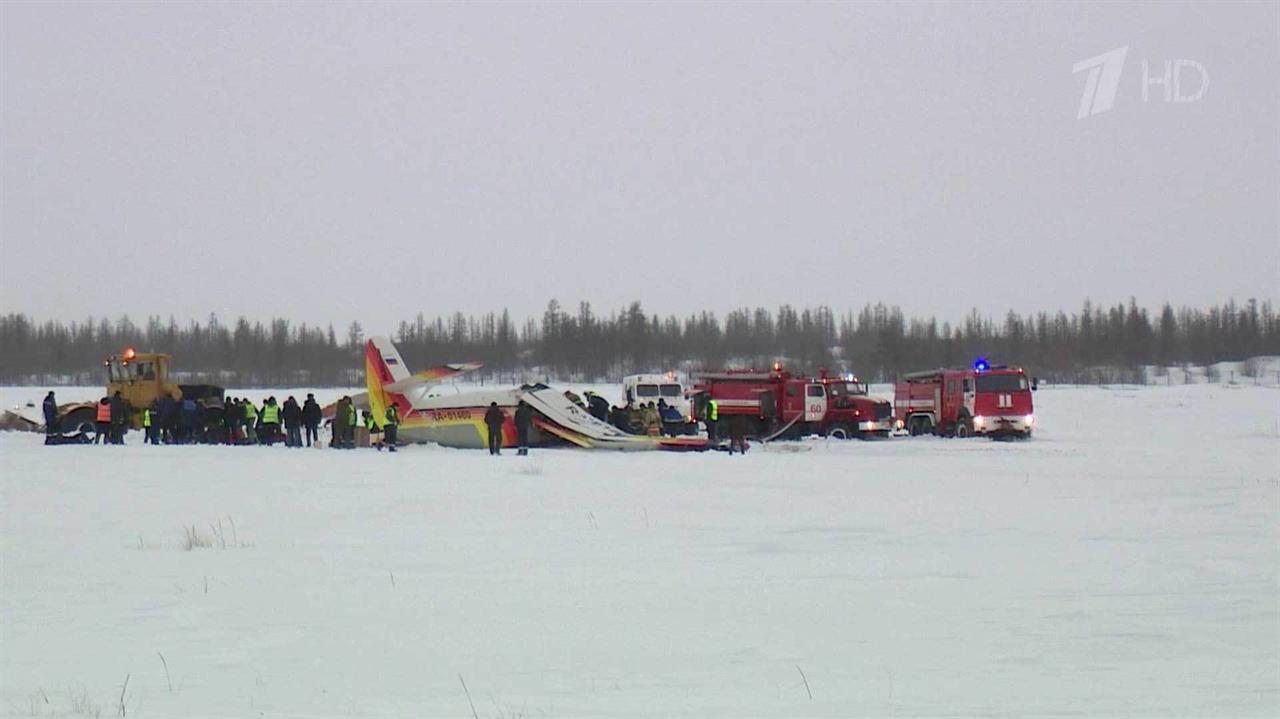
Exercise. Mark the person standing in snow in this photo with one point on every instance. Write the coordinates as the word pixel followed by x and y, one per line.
pixel 371 427
pixel 231 416
pixel 493 419
pixel 712 418
pixel 311 418
pixel 102 424
pixel 523 420
pixel 292 422
pixel 390 427
pixel 270 421
pixel 118 418
pixel 349 435
pixel 250 421
pixel 50 417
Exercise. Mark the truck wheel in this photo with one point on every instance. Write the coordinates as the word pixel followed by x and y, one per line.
pixel 964 428
pixel 839 432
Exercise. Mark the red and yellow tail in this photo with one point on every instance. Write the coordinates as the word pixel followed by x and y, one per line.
pixel 389 381
pixel 383 366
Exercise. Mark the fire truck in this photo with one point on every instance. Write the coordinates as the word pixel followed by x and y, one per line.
pixel 776 404
pixel 983 400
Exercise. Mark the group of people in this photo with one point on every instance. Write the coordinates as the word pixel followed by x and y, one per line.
pixel 345 423
pixel 245 423
pixel 238 421
pixel 494 418
pixel 637 418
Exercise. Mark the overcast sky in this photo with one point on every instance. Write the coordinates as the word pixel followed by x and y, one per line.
pixel 329 162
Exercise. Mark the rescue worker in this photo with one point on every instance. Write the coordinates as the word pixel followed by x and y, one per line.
pixel 389 428
pixel 493 418
pixel 311 416
pixel 292 415
pixel 371 427
pixel 250 421
pixel 231 416
pixel 635 419
pixel 118 418
pixel 102 423
pixel 350 435
pixel 191 422
pixel 148 431
pixel 711 417
pixel 652 420
pixel 338 423
pixel 598 406
pixel 168 418
pixel 155 420
pixel 270 421
pixel 523 420
pixel 50 417
pixel 617 418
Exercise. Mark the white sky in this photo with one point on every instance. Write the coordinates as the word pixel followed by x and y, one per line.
pixel 329 162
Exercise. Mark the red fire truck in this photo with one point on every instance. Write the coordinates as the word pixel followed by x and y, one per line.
pixel 777 404
pixel 984 400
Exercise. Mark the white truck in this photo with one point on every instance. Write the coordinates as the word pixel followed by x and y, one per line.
pixel 638 389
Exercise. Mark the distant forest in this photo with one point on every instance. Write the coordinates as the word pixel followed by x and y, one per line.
pixel 1096 344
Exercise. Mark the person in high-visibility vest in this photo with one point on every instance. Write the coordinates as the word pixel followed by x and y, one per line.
pixel 270 421
pixel 712 417
pixel 250 421
pixel 389 428
pixel 102 422
pixel 371 427
pixel 147 430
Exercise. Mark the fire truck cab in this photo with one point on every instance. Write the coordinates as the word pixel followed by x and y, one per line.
pixel 984 400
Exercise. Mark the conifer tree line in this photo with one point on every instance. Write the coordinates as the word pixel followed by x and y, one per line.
pixel 877 342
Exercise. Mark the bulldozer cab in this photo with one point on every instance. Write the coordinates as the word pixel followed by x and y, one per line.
pixel 140 378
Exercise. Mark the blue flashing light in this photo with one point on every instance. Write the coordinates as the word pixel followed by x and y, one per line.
pixel 981 364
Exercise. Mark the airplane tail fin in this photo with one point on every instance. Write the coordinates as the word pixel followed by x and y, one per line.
pixel 383 366
pixel 389 381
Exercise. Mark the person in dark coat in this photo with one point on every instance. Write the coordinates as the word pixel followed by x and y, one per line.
pixel 50 417
pixel 231 416
pixel 493 418
pixel 338 427
pixel 523 420
pixel 190 422
pixel 311 416
pixel 292 422
pixel 598 406
pixel 118 419
pixel 168 418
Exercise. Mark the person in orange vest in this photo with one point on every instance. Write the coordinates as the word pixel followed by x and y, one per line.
pixel 102 424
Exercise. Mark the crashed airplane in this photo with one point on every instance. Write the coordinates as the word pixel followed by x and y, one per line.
pixel 457 419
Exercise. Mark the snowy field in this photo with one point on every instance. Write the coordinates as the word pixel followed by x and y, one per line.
pixel 1124 563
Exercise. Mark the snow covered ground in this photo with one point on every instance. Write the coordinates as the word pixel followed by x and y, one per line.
pixel 1124 563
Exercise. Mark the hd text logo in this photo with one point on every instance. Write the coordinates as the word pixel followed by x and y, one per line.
pixel 1180 81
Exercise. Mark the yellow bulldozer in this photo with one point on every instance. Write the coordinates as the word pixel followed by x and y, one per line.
pixel 141 378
